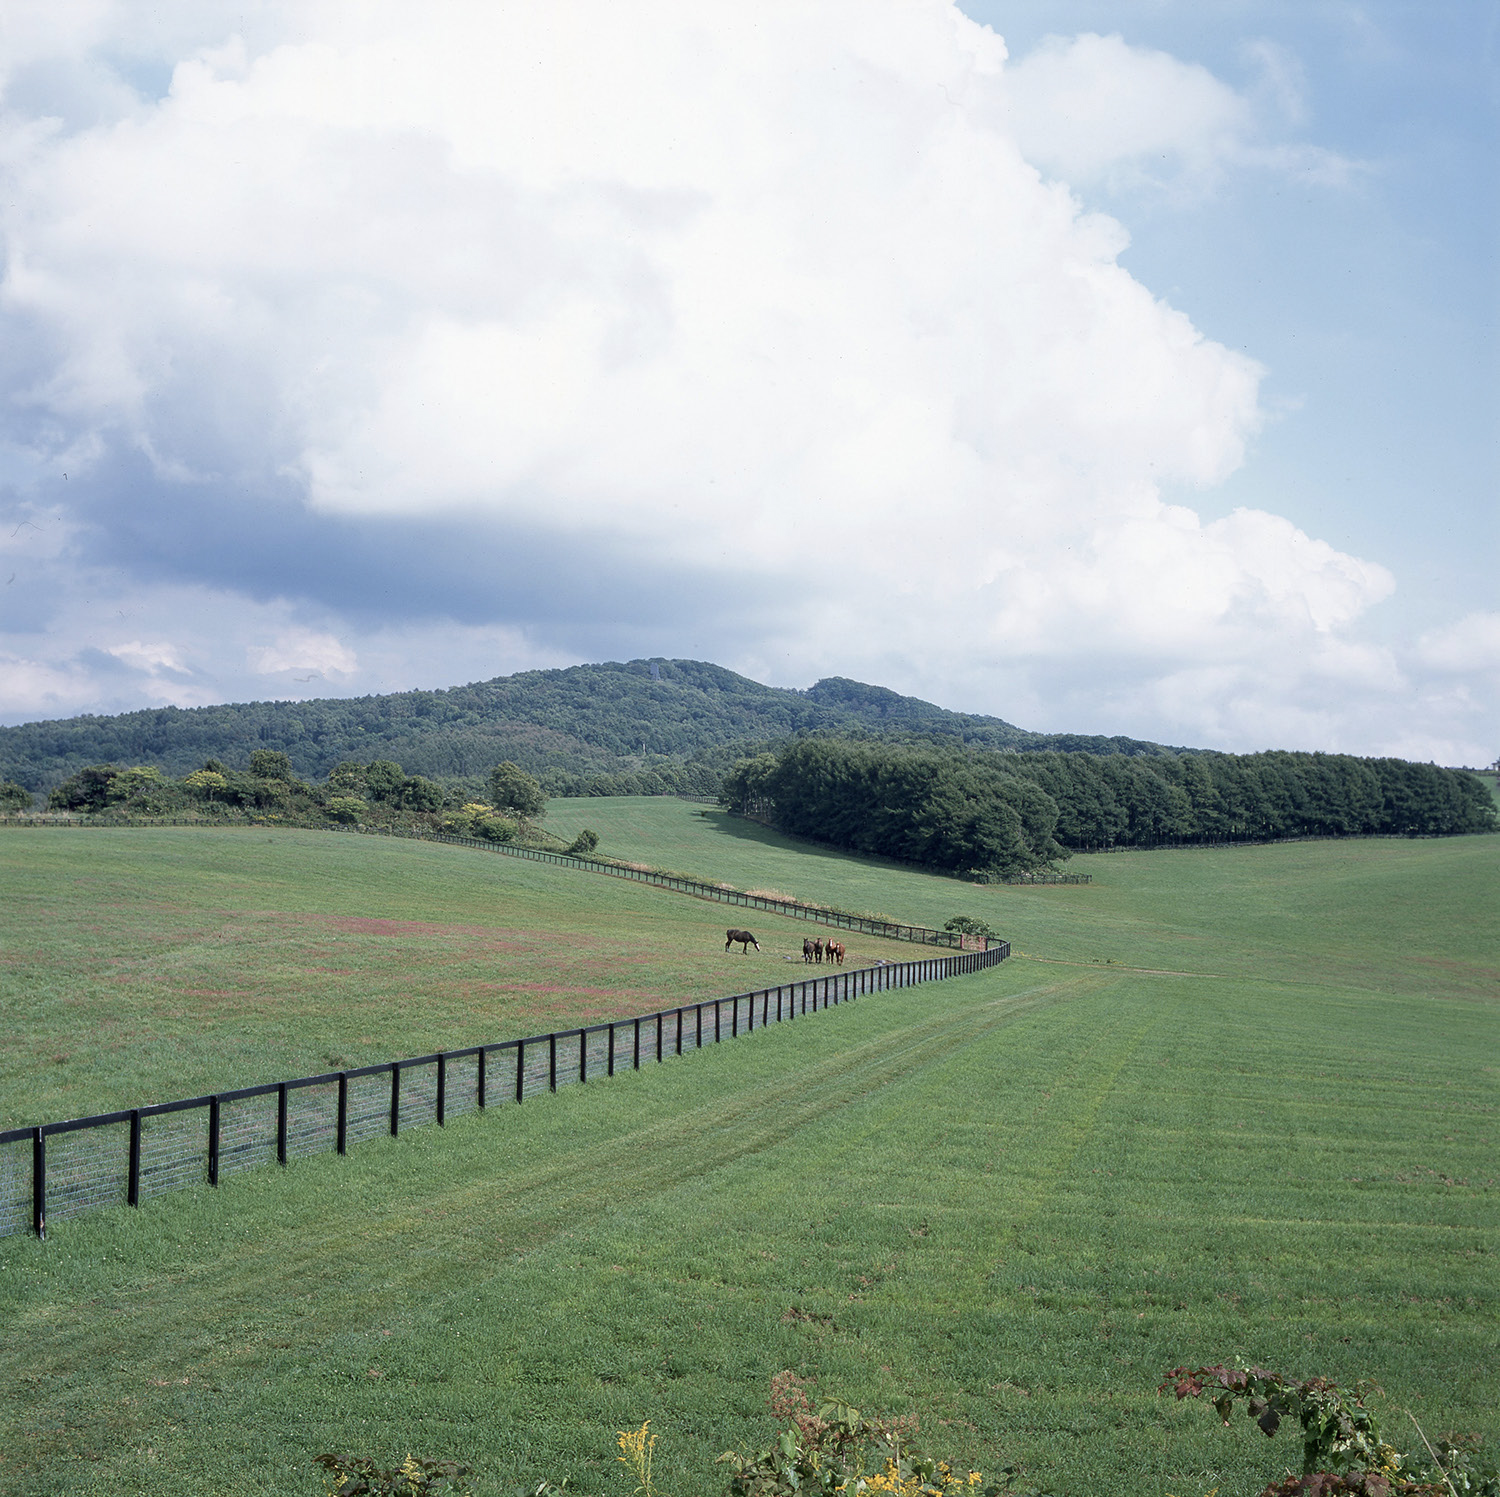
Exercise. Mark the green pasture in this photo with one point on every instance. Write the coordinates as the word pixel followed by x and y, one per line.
pixel 142 964
pixel 1225 1104
pixel 1300 911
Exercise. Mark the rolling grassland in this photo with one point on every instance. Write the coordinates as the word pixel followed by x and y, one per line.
pixel 143 964
pixel 1230 1103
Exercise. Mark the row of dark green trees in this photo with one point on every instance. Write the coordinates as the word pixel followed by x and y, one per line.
pixel 1015 812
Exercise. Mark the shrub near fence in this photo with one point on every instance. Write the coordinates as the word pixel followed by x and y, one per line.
pixel 123 1158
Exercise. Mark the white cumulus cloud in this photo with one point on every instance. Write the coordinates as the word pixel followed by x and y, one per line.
pixel 384 314
pixel 301 650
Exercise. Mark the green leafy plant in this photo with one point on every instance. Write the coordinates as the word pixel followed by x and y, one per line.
pixel 832 1448
pixel 968 926
pixel 1343 1451
pixel 359 1476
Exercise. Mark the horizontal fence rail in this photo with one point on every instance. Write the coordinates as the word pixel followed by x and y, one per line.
pixel 61 1170
pixel 865 924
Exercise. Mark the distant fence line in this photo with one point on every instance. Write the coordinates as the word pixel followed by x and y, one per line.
pixel 865 924
pixel 61 1170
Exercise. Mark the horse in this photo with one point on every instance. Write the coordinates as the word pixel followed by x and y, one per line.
pixel 835 950
pixel 818 949
pixel 744 937
pixel 807 948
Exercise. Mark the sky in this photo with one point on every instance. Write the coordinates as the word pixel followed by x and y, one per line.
pixel 1109 366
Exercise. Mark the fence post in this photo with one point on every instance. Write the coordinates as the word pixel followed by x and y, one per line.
pixel 39 1183
pixel 133 1170
pixel 520 1069
pixel 636 1054
pixel 552 1062
pixel 281 1123
pixel 658 1038
pixel 442 1088
pixel 700 1027
pixel 480 1080
pixel 610 1059
pixel 213 1140
pixel 583 1055
pixel 343 1126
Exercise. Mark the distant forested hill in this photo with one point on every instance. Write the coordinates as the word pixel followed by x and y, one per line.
pixel 571 727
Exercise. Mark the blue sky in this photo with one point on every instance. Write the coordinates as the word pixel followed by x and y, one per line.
pixel 1106 365
pixel 1375 307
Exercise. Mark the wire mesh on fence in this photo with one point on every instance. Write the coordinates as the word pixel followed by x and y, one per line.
pixel 59 1170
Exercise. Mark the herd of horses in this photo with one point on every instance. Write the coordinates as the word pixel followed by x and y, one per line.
pixel 814 948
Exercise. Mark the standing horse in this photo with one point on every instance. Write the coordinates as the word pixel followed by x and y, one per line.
pixel 745 939
pixel 807 948
pixel 835 950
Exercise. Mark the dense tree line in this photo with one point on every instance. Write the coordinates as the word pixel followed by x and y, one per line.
pixel 580 729
pixel 1017 811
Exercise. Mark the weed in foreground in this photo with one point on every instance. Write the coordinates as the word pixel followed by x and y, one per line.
pixel 1343 1451
pixel 359 1476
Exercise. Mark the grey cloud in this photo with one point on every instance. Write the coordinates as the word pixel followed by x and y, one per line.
pixel 387 571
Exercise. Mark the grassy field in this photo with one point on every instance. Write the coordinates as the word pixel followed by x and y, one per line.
pixel 1225 1104
pixel 139 965
pixel 1303 911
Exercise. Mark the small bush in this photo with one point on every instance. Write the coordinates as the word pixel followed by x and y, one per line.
pixel 1343 1451
pixel 358 1476
pixel 833 1450
pixel 968 926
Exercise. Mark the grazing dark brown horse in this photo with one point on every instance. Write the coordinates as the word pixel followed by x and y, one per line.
pixel 835 950
pixel 744 937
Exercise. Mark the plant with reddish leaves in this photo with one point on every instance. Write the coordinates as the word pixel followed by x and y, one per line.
pixel 1343 1452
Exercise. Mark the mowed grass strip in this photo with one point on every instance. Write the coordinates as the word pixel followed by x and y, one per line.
pixel 1005 1204
pixel 141 965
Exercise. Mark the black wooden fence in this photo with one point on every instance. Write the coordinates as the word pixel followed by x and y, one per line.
pixel 865 924
pixel 123 1158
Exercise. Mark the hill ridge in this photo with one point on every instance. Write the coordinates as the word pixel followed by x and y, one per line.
pixel 605 718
